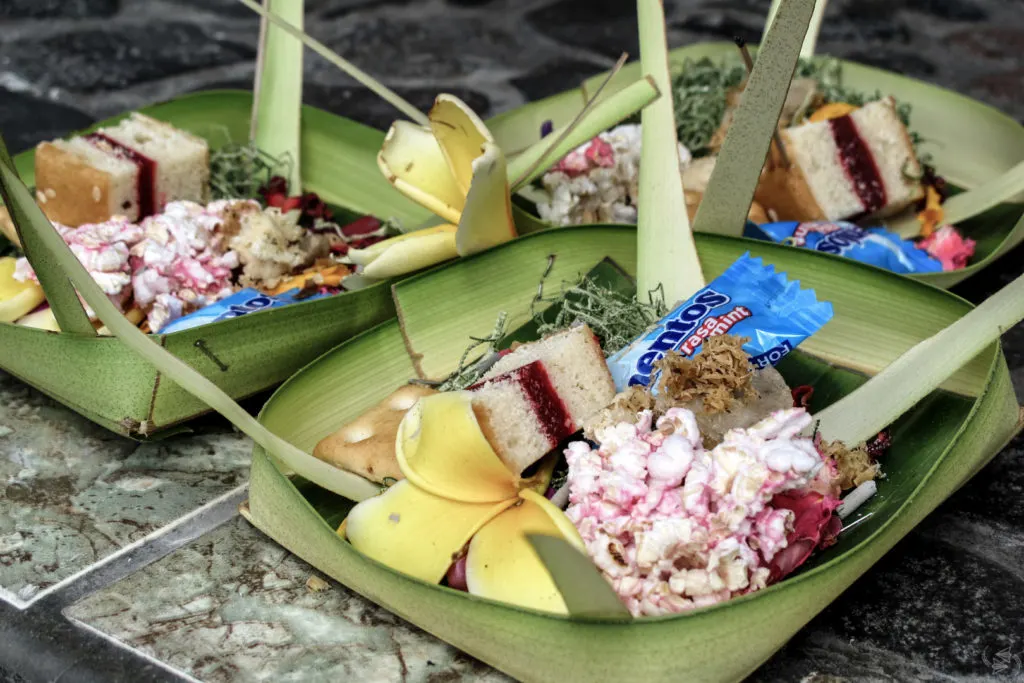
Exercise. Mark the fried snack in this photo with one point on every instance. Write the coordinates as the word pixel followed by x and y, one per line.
pixel 366 446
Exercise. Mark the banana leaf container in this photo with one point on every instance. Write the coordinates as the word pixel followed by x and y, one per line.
pixel 972 145
pixel 99 378
pixel 937 447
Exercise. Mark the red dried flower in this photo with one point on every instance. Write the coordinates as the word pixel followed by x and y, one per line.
pixel 814 526
pixel 802 396
pixel 879 445
pixel 276 185
pixel 361 226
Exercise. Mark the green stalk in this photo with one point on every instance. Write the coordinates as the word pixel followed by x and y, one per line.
pixel 724 206
pixel 666 254
pixel 811 38
pixel 63 300
pixel 893 391
pixel 556 139
pixel 969 204
pixel 34 226
pixel 277 91
pixel 536 160
pixel 348 67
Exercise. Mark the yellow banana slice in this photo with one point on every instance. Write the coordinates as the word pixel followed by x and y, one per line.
pixel 414 532
pixel 487 217
pixel 411 159
pixel 441 449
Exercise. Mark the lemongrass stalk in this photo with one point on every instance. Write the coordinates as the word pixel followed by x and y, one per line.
pixel 810 43
pixel 971 203
pixel 34 223
pixel 558 138
pixel 388 95
pixel 726 202
pixel 666 254
pixel 607 112
pixel 64 302
pixel 584 590
pixel 897 388
pixel 257 81
pixel 277 89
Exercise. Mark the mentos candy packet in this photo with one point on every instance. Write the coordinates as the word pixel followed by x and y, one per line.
pixel 242 302
pixel 875 246
pixel 748 300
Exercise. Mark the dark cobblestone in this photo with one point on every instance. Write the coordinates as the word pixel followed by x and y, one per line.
pixel 422 49
pixel 24 120
pixel 605 26
pixel 551 79
pixel 103 60
pixel 71 9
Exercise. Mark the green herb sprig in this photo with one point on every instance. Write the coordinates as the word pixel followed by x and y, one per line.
pixel 469 372
pixel 701 88
pixel 238 171
pixel 616 318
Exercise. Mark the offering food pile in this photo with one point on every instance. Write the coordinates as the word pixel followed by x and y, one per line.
pixel 840 159
pixel 133 203
pixel 687 469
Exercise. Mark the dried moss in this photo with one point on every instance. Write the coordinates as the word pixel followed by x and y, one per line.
pixel 470 372
pixel 617 319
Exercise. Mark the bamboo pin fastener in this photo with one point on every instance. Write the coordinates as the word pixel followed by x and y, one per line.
pixel 748 62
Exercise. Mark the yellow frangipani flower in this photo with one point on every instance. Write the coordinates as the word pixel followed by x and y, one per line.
pixel 457 491
pixel 455 169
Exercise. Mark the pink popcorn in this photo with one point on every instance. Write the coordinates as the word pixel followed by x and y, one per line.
pixel 949 246
pixel 573 164
pixel 595 154
pixel 600 153
pixel 183 263
pixel 103 249
pixel 673 526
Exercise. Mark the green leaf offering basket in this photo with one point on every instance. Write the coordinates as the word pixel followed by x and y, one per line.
pixel 973 146
pixel 941 443
pixel 99 378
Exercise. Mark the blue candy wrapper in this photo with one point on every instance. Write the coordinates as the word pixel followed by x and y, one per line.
pixel 874 246
pixel 242 302
pixel 748 300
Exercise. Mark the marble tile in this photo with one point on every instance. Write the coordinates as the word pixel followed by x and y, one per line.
pixel 73 494
pixel 235 606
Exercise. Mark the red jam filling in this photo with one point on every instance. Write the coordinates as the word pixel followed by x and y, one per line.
pixel 145 190
pixel 859 164
pixel 538 390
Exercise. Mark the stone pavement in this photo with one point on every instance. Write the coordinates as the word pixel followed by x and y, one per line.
pixel 939 607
